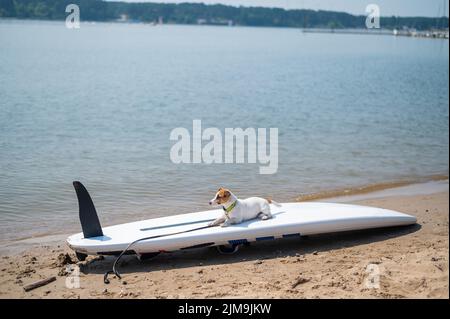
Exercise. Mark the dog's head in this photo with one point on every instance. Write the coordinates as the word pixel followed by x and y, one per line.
pixel 222 196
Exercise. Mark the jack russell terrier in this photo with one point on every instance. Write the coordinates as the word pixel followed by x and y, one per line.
pixel 236 210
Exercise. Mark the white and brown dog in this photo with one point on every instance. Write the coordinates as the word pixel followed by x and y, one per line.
pixel 236 210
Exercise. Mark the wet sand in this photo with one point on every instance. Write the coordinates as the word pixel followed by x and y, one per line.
pixel 412 262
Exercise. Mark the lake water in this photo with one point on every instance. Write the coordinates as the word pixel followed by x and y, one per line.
pixel 98 104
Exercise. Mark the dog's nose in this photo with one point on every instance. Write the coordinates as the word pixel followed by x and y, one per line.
pixel 210 202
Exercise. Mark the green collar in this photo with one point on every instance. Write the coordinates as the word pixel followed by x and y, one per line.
pixel 230 208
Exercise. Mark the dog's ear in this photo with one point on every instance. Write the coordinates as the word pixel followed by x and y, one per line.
pixel 226 193
pixel 220 189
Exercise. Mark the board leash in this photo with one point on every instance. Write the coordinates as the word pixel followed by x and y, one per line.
pixel 114 268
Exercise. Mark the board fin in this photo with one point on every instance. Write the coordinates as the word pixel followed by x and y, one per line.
pixel 90 223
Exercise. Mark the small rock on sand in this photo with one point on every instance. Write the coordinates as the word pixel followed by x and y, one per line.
pixel 64 259
pixel 62 272
pixel 26 272
pixel 299 281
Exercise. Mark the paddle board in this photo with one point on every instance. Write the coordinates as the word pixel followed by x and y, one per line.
pixel 289 220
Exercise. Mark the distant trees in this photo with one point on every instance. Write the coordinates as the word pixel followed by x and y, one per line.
pixel 195 13
pixel 7 8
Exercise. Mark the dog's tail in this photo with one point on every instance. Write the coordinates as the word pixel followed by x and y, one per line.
pixel 270 201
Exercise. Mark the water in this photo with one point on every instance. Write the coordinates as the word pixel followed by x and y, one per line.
pixel 98 104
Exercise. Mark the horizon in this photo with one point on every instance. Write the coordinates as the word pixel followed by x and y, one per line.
pixel 401 8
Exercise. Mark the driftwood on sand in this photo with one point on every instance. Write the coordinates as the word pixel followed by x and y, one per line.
pixel 39 283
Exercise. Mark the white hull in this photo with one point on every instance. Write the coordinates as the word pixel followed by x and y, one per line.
pixel 292 219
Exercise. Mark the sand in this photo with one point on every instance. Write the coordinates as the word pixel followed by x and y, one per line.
pixel 411 262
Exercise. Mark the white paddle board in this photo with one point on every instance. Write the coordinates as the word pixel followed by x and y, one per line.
pixel 289 220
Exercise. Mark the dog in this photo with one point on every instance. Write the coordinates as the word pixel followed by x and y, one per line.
pixel 236 210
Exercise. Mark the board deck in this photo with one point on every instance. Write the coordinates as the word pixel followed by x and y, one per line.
pixel 289 220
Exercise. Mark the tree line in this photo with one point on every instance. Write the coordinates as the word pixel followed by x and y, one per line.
pixel 198 13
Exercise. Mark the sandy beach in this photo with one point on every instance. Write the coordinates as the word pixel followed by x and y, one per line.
pixel 412 262
pixel 124 112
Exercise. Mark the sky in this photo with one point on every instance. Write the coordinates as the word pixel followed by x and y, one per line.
pixel 427 8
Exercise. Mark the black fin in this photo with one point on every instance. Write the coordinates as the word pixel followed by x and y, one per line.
pixel 88 215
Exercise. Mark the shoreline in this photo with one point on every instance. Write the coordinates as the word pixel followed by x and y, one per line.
pixel 423 34
pixel 422 185
pixel 370 188
pixel 412 260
